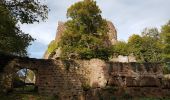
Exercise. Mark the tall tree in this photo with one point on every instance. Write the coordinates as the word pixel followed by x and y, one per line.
pixel 165 39
pixel 12 39
pixel 135 46
pixel 146 48
pixel 85 32
pixel 151 32
pixel 26 11
pixel 120 48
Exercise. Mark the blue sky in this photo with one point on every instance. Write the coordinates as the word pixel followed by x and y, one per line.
pixel 128 16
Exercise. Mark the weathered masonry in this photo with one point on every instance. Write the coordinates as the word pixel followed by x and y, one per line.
pixel 84 79
pixel 51 77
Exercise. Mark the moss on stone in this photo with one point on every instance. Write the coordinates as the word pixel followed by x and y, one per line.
pixel 52 46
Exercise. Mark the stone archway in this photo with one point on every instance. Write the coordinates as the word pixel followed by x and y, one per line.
pixel 11 66
pixel 24 80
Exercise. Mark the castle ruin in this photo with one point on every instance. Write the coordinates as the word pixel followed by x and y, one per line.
pixel 112 38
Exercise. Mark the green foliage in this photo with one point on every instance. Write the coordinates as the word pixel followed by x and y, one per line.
pixel 52 47
pixel 86 86
pixel 165 39
pixel 135 44
pixel 166 68
pixel 25 11
pixel 12 39
pixel 120 48
pixel 146 48
pixel 152 46
pixel 85 32
pixel 151 32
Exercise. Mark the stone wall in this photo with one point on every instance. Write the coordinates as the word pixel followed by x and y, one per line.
pixel 124 59
pixel 77 79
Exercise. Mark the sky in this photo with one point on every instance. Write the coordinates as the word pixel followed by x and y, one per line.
pixel 128 16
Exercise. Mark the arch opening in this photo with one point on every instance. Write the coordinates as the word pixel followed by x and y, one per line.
pixel 24 80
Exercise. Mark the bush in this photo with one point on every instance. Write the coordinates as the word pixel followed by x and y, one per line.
pixel 86 86
pixel 166 68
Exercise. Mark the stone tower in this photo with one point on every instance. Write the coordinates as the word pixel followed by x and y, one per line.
pixel 112 34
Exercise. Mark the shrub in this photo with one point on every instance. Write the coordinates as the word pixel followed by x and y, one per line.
pixel 86 86
pixel 166 68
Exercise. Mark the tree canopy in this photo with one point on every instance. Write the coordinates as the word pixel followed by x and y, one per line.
pixel 25 11
pixel 85 32
pixel 165 39
pixel 12 39
pixel 146 48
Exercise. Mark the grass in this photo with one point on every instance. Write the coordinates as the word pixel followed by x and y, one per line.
pixel 28 88
pixel 26 93
pixel 31 96
pixel 14 96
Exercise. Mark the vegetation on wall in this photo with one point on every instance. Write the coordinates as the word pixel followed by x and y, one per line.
pixel 52 47
pixel 165 39
pixel 166 69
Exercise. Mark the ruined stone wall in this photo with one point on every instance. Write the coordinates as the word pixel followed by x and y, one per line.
pixel 112 38
pixel 79 79
pixel 60 31
pixel 57 79
pixel 124 59
pixel 112 34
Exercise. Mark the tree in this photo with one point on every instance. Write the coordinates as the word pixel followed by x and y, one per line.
pixel 25 11
pixel 135 46
pixel 12 39
pixel 152 51
pixel 146 48
pixel 151 32
pixel 120 48
pixel 165 39
pixel 86 32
